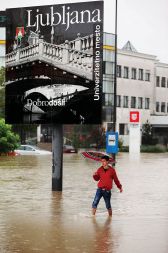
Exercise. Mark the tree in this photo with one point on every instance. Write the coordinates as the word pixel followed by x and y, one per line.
pixel 2 92
pixel 9 141
pixel 2 76
pixel 85 136
pixel 2 102
pixel 147 134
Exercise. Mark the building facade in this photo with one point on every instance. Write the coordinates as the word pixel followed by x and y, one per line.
pixel 2 46
pixel 142 85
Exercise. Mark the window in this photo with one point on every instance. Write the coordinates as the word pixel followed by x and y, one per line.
pixel 118 71
pixel 108 86
pixel 109 99
pixel 157 107
pixel 134 73
pixel 118 101
pixel 163 107
pixel 107 114
pixel 126 72
pixel 133 102
pixel 108 68
pixel 125 101
pixel 163 82
pixel 140 103
pixel 167 107
pixel 147 102
pixel 140 74
pixel 29 149
pixel 121 129
pixel 158 81
pixel 147 76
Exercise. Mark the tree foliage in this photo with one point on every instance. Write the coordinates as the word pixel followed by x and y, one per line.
pixel 147 134
pixel 85 136
pixel 2 102
pixel 2 76
pixel 9 141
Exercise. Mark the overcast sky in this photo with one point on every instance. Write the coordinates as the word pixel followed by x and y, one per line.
pixel 143 22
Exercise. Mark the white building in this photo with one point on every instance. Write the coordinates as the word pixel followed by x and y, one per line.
pixel 142 85
pixel 2 46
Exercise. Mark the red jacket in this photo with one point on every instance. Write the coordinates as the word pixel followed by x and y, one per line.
pixel 106 177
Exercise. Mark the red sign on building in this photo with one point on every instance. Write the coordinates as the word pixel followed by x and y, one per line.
pixel 134 117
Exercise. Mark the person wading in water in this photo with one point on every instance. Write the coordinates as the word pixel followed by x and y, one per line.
pixel 105 175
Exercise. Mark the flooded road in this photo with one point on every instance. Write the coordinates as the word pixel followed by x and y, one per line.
pixel 35 219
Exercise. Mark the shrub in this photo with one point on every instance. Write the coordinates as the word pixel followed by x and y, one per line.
pixel 9 141
pixel 152 149
pixel 124 149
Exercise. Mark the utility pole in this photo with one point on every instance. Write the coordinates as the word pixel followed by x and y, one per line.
pixel 57 149
pixel 115 73
pixel 115 77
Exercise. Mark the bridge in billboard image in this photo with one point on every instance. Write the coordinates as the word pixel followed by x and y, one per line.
pixel 54 75
pixel 75 56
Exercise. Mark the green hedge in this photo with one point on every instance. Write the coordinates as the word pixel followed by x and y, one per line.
pixel 147 149
pixel 153 149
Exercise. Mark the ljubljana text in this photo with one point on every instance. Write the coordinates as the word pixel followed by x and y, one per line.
pixel 65 17
pixel 97 64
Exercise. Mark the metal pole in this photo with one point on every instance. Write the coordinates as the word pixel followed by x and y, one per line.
pixel 115 71
pixel 115 75
pixel 57 149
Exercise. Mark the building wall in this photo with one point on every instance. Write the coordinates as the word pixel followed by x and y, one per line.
pixel 144 90
pixel 2 46
pixel 162 90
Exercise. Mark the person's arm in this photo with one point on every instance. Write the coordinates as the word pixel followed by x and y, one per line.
pixel 117 182
pixel 96 176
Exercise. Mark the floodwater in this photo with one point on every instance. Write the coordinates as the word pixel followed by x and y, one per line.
pixel 35 219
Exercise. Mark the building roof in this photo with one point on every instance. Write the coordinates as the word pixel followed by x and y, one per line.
pixel 129 47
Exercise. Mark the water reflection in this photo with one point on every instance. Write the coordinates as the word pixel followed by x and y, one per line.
pixel 35 219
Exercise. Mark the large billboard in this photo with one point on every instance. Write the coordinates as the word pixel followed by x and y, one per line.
pixel 54 64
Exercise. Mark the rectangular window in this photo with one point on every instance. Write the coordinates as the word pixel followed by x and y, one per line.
pixel 163 82
pixel 118 70
pixel 147 76
pixel 147 103
pixel 109 99
pixel 140 103
pixel 158 81
pixel 140 74
pixel 121 129
pixel 125 101
pixel 157 107
pixel 134 73
pixel 126 72
pixel 118 101
pixel 108 68
pixel 163 107
pixel 108 86
pixel 133 102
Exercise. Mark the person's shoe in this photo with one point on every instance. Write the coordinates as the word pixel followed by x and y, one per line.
pixel 110 212
pixel 93 211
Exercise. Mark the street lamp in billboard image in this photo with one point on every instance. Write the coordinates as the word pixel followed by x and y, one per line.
pixel 54 64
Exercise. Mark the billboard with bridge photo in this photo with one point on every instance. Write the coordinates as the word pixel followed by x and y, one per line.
pixel 54 64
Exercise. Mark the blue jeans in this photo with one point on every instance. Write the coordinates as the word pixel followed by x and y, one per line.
pixel 99 194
